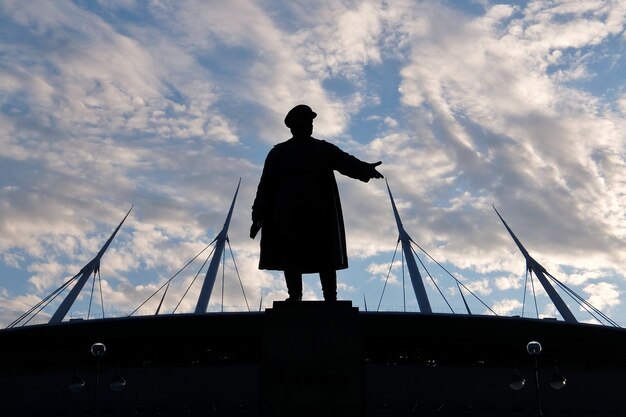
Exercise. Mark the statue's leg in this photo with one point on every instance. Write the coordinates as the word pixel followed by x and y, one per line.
pixel 329 285
pixel 294 285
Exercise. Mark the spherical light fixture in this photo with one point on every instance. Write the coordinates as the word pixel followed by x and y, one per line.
pixel 557 381
pixel 76 384
pixel 118 383
pixel 517 382
pixel 533 348
pixel 98 350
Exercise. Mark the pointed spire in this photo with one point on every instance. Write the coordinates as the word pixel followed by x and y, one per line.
pixel 91 268
pixel 414 273
pixel 211 274
pixel 539 271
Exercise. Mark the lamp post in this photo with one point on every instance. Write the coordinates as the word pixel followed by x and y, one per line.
pixel 517 382
pixel 77 384
pixel 97 350
pixel 534 349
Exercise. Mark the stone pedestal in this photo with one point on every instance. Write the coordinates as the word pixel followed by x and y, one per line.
pixel 312 360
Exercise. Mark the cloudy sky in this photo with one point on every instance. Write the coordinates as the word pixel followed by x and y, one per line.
pixel 164 105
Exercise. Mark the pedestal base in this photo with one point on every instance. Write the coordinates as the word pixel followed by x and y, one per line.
pixel 311 360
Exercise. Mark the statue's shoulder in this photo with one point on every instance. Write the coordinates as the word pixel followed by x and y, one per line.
pixel 322 143
pixel 277 147
pixel 276 150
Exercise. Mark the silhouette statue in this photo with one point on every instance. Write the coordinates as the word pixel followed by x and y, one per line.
pixel 297 206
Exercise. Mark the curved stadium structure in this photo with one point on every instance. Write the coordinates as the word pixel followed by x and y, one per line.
pixel 312 359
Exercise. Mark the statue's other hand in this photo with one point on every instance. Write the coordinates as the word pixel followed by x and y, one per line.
pixel 254 229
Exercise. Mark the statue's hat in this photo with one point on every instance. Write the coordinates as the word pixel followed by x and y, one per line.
pixel 301 110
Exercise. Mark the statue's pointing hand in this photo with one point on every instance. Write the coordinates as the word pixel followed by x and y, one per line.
pixel 372 172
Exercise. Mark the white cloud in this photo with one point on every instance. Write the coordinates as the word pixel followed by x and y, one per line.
pixel 506 132
pixel 509 282
pixel 383 272
pixel 346 41
pixel 99 112
pixel 550 311
pixel 506 306
pixel 482 286
pixel 12 307
pixel 602 295
pixel 391 122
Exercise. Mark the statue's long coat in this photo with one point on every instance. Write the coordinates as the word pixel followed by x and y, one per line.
pixel 298 202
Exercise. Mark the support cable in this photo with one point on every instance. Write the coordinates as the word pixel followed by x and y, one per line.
pixel 587 310
pixel 193 280
pixel 388 273
pixel 44 301
pixel 577 299
pixel 582 301
pixel 238 276
pixel 174 276
pixel 41 308
pixel 454 278
pixel 93 284
pixel 532 283
pixel 525 289
pixel 433 280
